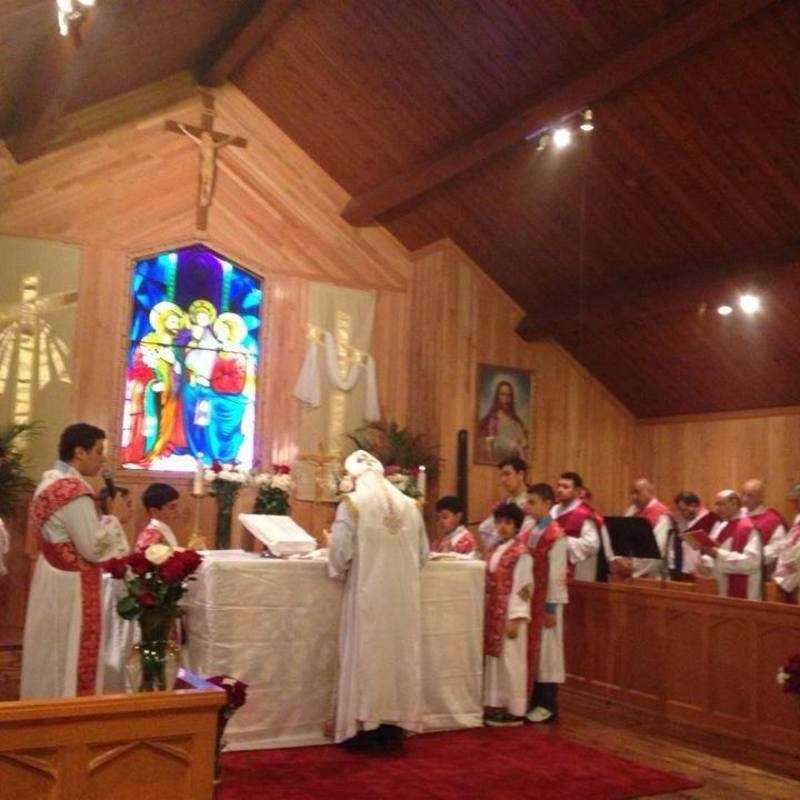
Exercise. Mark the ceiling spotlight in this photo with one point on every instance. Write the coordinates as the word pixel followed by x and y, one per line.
pixel 724 311
pixel 543 142
pixel 587 123
pixel 749 303
pixel 561 137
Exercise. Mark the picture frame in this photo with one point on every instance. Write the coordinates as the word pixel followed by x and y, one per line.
pixel 503 414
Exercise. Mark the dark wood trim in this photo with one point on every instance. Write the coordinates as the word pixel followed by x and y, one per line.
pixel 674 37
pixel 238 44
pixel 686 292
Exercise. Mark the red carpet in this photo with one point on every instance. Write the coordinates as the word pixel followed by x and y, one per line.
pixel 477 764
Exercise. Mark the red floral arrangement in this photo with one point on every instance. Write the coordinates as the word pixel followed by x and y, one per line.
pixel 789 674
pixel 155 579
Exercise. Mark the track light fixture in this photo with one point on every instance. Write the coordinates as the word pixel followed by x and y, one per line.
pixel 587 120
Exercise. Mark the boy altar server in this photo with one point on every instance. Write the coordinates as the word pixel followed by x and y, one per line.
pixel 453 536
pixel 509 588
pixel 548 545
pixel 160 500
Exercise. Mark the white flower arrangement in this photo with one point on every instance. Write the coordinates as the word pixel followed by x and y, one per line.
pixel 227 473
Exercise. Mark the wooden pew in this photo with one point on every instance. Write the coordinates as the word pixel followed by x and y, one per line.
pixel 129 747
pixel 695 659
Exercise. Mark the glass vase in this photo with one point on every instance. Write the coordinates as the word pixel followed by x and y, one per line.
pixel 153 665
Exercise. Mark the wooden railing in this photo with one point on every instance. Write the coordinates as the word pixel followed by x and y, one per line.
pixel 709 662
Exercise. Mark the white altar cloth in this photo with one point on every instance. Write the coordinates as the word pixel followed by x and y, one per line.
pixel 274 624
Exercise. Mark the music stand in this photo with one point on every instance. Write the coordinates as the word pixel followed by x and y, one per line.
pixel 632 537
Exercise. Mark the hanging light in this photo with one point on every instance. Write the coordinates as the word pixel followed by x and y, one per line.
pixel 562 137
pixel 749 303
pixel 587 120
pixel 724 311
pixel 68 13
pixel 543 142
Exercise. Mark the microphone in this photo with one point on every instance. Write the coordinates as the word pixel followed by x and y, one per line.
pixel 108 480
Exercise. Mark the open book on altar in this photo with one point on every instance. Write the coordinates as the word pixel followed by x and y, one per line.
pixel 699 540
pixel 281 535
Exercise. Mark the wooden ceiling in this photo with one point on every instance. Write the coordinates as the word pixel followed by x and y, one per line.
pixel 693 170
pixel 620 246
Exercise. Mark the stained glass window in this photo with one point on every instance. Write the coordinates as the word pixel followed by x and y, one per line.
pixel 191 362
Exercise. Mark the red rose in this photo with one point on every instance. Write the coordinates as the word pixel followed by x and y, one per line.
pixel 281 469
pixel 139 564
pixel 216 466
pixel 172 570
pixel 190 559
pixel 116 567
pixel 147 599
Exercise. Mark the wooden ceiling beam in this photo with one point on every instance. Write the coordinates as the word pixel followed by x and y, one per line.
pixel 696 290
pixel 55 76
pixel 237 45
pixel 674 37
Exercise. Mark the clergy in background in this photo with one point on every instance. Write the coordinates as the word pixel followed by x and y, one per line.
pixel 787 570
pixel 378 546
pixel 69 621
pixel 690 515
pixel 735 557
pixel 769 522
pixel 645 505
pixel 581 523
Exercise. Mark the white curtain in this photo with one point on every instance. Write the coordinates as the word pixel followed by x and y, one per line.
pixel 337 384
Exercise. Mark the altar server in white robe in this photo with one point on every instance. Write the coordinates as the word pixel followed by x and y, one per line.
pixel 582 525
pixel 378 546
pixel 513 473
pixel 68 643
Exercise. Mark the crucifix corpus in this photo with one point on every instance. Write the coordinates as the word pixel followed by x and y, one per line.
pixel 208 142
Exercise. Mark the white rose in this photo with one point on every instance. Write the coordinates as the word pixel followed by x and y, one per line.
pixel 282 482
pixel 346 484
pixel 158 553
pixel 265 478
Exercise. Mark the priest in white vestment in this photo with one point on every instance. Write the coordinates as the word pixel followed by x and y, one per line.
pixel 70 643
pixel 378 546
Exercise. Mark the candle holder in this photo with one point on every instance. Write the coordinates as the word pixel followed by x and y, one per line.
pixel 197 541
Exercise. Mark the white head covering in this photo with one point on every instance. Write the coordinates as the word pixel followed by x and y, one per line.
pixel 360 461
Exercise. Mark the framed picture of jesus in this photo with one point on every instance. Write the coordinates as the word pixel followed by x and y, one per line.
pixel 503 414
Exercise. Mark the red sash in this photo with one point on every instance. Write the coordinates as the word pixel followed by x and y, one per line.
pixel 738 531
pixel 65 556
pixel 766 522
pixel 498 590
pixel 541 572
pixel 572 522
pixel 652 512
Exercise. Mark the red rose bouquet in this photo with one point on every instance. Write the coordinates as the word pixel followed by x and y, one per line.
pixel 156 581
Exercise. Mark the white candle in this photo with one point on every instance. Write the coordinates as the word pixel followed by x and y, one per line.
pixel 421 481
pixel 198 485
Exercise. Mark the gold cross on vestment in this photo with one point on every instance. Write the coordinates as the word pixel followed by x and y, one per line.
pixel 208 142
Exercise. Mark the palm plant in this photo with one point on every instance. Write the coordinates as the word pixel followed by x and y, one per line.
pixel 14 483
pixel 395 446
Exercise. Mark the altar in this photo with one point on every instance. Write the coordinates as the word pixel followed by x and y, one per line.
pixel 274 624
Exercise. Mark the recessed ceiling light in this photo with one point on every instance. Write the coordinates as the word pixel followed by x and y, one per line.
pixel 587 120
pixel 724 311
pixel 561 137
pixel 749 303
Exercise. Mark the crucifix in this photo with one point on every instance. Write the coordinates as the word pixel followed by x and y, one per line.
pixel 208 142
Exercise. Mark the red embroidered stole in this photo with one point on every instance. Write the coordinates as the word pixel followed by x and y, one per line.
pixel 541 573
pixel 498 590
pixel 738 531
pixel 65 556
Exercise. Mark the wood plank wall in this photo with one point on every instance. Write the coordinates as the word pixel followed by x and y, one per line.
pixel 710 452
pixel 462 318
